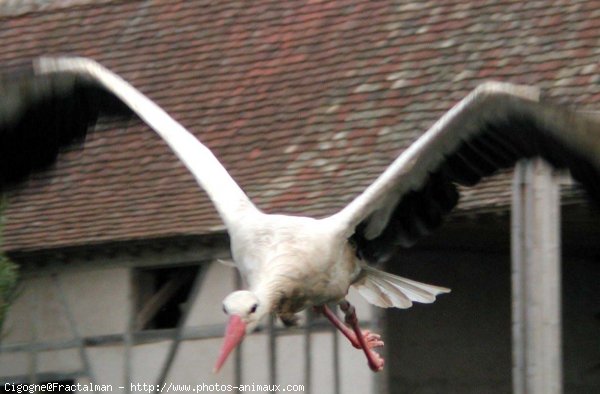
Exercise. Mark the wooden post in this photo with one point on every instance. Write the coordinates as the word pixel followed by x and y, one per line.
pixel 536 297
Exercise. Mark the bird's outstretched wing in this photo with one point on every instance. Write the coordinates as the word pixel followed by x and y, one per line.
pixel 63 97
pixel 492 128
pixel 41 114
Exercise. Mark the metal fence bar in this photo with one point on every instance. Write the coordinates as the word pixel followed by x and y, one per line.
pixel 34 317
pixel 128 336
pixel 307 351
pixel 336 355
pixel 191 333
pixel 537 358
pixel 381 379
pixel 272 352
pixel 239 350
pixel 178 335
pixel 74 329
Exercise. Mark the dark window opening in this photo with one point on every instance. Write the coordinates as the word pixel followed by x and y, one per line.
pixel 162 296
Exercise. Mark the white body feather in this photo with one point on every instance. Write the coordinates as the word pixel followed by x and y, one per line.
pixel 274 258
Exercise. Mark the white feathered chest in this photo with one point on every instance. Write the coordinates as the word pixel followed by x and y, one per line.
pixel 298 257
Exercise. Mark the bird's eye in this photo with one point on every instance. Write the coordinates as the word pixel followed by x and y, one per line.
pixel 225 310
pixel 253 309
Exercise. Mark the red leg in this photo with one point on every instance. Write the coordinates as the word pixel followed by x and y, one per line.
pixel 374 359
pixel 332 317
pixel 365 340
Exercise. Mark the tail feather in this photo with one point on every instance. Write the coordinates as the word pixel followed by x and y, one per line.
pixel 383 294
pixel 386 290
pixel 374 295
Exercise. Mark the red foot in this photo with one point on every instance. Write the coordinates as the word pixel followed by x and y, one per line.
pixel 375 361
pixel 371 339
pixel 365 340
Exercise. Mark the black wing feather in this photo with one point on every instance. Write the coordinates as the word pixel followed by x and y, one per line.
pixel 492 133
pixel 42 114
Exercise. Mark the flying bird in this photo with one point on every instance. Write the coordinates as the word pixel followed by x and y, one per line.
pixel 291 263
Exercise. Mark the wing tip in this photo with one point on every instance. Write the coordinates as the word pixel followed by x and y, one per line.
pixel 52 64
pixel 529 92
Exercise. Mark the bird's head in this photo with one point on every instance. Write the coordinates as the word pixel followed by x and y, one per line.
pixel 245 312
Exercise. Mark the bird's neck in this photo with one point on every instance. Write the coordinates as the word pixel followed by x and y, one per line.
pixel 266 300
pixel 282 296
pixel 268 293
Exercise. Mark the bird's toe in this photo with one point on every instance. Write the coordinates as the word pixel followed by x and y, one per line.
pixel 373 340
pixel 376 362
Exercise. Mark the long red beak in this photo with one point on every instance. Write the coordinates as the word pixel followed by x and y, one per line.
pixel 234 333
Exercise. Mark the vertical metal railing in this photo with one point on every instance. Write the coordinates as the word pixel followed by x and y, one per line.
pixel 272 351
pixel 307 351
pixel 83 354
pixel 181 324
pixel 34 317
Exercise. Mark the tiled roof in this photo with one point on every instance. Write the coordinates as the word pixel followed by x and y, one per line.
pixel 305 102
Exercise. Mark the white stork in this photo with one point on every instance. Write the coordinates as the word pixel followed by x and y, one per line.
pixel 291 263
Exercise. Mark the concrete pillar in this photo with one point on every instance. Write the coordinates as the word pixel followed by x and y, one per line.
pixel 536 277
